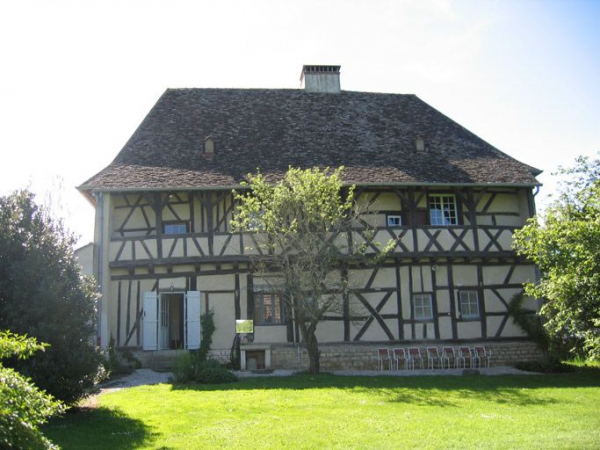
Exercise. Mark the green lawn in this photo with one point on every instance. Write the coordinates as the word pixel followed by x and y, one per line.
pixel 323 412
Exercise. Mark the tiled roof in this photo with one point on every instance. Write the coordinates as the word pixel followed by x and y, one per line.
pixel 372 135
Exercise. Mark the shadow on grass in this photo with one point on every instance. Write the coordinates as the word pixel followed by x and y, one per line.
pixel 443 391
pixel 81 427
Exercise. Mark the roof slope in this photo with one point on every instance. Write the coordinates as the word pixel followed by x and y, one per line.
pixel 372 135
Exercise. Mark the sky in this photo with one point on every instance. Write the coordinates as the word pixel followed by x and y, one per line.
pixel 78 77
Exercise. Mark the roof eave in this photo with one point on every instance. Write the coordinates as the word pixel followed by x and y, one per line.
pixel 88 191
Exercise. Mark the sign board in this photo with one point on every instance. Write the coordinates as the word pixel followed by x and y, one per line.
pixel 244 326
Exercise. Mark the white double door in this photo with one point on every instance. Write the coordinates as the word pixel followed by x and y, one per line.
pixel 156 321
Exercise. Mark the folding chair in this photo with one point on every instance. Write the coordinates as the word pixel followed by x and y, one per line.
pixel 399 354
pixel 464 354
pixel 433 356
pixel 480 354
pixel 448 354
pixel 383 355
pixel 414 354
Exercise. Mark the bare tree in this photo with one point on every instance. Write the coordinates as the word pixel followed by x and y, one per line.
pixel 302 225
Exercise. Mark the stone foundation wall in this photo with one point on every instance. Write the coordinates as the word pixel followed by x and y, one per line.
pixel 359 356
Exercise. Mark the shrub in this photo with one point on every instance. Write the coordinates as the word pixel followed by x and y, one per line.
pixel 549 365
pixel 211 372
pixel 184 368
pixel 189 368
pixel 44 295
pixel 23 407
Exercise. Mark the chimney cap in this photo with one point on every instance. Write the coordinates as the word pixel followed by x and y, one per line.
pixel 312 68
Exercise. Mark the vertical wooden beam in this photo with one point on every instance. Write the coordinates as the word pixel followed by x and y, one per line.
pixel 192 218
pixel 436 317
pixel 237 296
pixel 473 217
pixel 128 321
pixel 399 302
pixel 452 300
pixel 413 227
pixel 346 304
pixel 118 315
pixel 137 309
pixel 210 223
pixel 158 207
pixel 250 297
pixel 480 290
pixel 410 295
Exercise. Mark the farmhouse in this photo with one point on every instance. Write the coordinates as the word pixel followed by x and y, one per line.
pixel 164 252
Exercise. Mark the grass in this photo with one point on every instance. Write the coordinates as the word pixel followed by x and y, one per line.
pixel 327 412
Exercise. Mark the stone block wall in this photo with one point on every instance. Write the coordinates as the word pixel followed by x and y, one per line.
pixel 363 356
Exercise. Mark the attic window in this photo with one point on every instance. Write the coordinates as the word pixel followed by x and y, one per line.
pixel 420 144
pixel 209 146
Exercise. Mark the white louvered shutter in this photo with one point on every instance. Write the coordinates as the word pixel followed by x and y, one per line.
pixel 192 320
pixel 150 321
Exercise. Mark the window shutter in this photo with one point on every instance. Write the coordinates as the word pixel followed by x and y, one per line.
pixel 192 320
pixel 150 321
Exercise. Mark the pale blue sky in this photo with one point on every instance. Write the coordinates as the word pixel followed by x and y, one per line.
pixel 77 77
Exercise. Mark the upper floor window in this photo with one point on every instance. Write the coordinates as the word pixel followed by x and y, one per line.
pixel 469 304
pixel 422 306
pixel 175 228
pixel 443 210
pixel 394 220
pixel 268 309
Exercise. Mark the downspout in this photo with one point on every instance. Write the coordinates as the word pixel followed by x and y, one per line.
pixel 100 258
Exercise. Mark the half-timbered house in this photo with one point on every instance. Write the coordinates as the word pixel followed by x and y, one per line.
pixel 164 251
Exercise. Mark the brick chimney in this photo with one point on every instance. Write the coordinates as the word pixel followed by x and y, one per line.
pixel 323 79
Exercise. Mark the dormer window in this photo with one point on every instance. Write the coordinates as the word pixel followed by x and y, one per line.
pixel 420 144
pixel 209 146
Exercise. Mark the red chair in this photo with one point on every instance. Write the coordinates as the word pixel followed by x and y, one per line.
pixel 433 357
pixel 465 354
pixel 480 354
pixel 449 355
pixel 414 355
pixel 399 354
pixel 383 355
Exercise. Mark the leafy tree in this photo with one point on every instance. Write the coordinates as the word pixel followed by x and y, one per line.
pixel 565 245
pixel 294 223
pixel 44 295
pixel 23 407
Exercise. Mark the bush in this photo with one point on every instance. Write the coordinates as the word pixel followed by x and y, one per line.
pixel 189 368
pixel 211 372
pixel 549 365
pixel 184 368
pixel 44 295
pixel 23 407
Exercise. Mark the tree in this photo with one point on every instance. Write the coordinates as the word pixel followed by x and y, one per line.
pixel 23 407
pixel 44 295
pixel 296 224
pixel 565 245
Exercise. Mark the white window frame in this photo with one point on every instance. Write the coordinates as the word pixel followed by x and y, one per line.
pixel 443 210
pixel 468 302
pixel 394 217
pixel 422 306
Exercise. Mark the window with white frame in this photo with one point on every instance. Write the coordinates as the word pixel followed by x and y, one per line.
pixel 422 306
pixel 469 304
pixel 268 309
pixel 443 210
pixel 394 220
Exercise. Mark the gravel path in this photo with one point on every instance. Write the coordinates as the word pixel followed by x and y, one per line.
pixel 147 376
